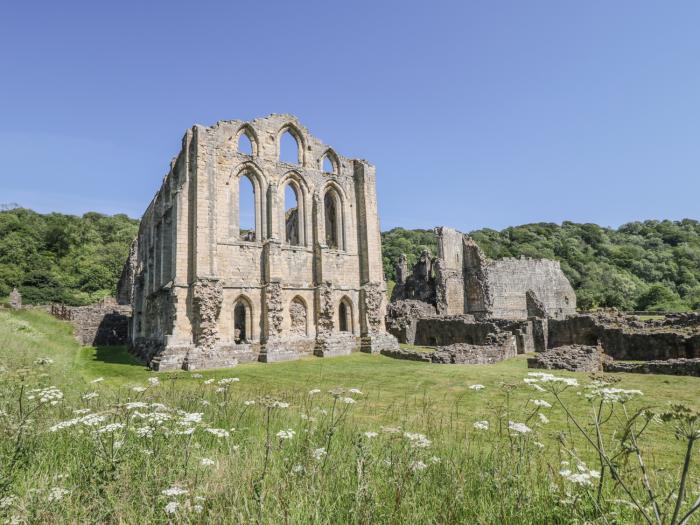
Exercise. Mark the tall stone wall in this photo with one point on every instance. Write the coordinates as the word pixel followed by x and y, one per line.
pixel 324 258
pixel 510 280
pixel 104 323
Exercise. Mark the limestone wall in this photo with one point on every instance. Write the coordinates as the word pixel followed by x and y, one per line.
pixel 103 323
pixel 191 234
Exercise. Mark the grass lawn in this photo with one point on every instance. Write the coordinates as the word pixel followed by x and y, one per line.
pixel 489 477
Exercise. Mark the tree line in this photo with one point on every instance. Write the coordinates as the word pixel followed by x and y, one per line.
pixel 650 265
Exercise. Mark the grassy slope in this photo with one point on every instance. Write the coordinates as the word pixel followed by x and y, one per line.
pixel 393 388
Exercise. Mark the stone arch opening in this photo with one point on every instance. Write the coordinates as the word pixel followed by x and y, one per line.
pixel 292 219
pixel 242 320
pixel 329 162
pixel 333 215
pixel 290 145
pixel 298 317
pixel 345 317
pixel 246 141
pixel 247 209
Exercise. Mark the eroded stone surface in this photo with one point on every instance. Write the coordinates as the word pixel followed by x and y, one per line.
pixel 575 358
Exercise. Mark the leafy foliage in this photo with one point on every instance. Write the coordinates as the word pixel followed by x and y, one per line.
pixel 62 258
pixel 650 265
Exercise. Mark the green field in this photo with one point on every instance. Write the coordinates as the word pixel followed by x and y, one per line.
pixel 329 471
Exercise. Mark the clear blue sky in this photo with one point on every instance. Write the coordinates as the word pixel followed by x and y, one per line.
pixel 476 114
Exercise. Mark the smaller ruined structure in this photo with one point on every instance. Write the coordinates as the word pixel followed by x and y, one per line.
pixel 623 343
pixel 15 299
pixel 472 309
pixel 462 280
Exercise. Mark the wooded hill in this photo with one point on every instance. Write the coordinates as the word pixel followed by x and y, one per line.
pixel 651 265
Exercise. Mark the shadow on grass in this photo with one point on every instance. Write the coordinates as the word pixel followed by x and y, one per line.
pixel 117 355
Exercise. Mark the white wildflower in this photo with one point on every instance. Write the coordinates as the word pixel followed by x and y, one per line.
pixel 541 403
pixel 50 395
pixel 286 434
pixel 481 425
pixel 279 404
pixel 98 380
pixel 174 491
pixel 477 387
pixel 206 462
pixel 583 476
pixel 89 396
pixel 146 431
pixel 190 418
pixel 197 508
pixel 112 427
pixel 349 400
pixel 298 469
pixel 208 381
pixel 355 391
pixel 248 403
pixel 391 430
pixel 543 419
pixel 228 380
pixel 44 361
pixel 521 428
pixel 314 391
pixel 417 440
pixel 7 501
pixel 154 381
pixel 139 389
pixel 57 494
pixel 196 376
pixel 319 453
pixel 369 434
pixel 171 507
pixel 418 465
pixel 538 444
pixel 135 404
pixel 218 432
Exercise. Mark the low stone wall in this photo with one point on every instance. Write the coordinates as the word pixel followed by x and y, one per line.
pixel 625 338
pixel 461 353
pixel 575 358
pixel 676 367
pixel 103 323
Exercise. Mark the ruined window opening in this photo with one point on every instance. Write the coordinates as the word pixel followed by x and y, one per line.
pixel 289 148
pixel 246 209
pixel 291 215
pixel 298 317
pixel 330 205
pixel 242 321
pixel 327 165
pixel 345 316
pixel 245 144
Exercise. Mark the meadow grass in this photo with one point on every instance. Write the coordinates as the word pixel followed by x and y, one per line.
pixel 294 442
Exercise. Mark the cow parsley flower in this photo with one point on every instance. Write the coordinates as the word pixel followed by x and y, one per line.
pixel 139 389
pixel 218 432
pixel 90 395
pixel 171 507
pixel 477 387
pixel 369 434
pixel 57 494
pixel 174 491
pixel 349 400
pixel 582 476
pixel 481 425
pixel 355 391
pixel 43 361
pixel 541 403
pixel 112 427
pixel 154 381
pixel 286 434
pixel 206 462
pixel 418 466
pixel 520 428
pixel 248 403
pixel 543 419
pixel 314 391
pixel 319 453
pixel 98 380
pixel 417 440
pixel 228 380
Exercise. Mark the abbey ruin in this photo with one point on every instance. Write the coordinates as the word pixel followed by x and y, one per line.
pixel 207 292
pixel 303 275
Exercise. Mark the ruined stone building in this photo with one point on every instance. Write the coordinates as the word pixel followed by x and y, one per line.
pixel 461 280
pixel 305 276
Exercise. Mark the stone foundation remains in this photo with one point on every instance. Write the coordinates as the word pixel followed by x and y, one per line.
pixel 102 324
pixel 15 299
pixel 575 358
pixel 303 277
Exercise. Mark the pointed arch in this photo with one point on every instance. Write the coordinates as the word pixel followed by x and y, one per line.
pixel 298 136
pixel 298 317
pixel 247 131
pixel 334 217
pixel 295 223
pixel 254 174
pixel 346 319
pixel 243 320
pixel 329 162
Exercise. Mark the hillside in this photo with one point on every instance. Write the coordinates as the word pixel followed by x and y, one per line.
pixel 62 258
pixel 641 265
pixel 650 265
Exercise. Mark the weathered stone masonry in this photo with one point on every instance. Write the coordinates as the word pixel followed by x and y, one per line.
pixel 205 293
